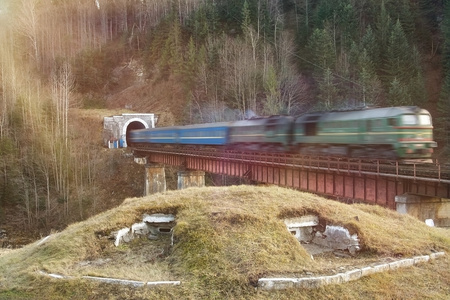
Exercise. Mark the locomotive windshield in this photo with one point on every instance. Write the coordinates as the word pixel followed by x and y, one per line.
pixel 424 120
pixel 416 120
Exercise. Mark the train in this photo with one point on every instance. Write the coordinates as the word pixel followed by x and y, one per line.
pixel 403 132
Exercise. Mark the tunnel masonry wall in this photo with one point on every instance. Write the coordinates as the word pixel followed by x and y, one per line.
pixel 115 127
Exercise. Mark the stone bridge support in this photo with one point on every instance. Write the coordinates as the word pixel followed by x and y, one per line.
pixel 155 179
pixel 425 208
pixel 190 178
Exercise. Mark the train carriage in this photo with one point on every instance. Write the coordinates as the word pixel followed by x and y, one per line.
pixel 163 135
pixel 268 134
pixel 394 132
pixel 204 134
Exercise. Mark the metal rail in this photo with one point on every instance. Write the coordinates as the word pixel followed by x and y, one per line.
pixel 430 172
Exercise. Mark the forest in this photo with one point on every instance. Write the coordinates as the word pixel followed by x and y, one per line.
pixel 197 61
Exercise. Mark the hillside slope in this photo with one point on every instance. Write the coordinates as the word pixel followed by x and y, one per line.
pixel 223 241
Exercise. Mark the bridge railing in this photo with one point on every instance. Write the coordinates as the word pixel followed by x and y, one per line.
pixel 417 171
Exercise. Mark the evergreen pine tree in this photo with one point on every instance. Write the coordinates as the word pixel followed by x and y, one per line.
pixel 398 55
pixel 328 93
pixel 442 120
pixel 368 79
pixel 321 49
pixel 416 86
pixel 398 94
pixel 272 104
pixel 190 65
pixel 172 58
pixel 246 22
pixel 369 42
pixel 383 31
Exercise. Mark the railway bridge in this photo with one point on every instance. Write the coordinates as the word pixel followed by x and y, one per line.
pixel 417 188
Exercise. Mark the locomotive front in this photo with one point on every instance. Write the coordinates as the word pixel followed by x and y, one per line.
pixel 414 131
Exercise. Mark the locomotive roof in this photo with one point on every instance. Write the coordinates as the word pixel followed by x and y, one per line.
pixel 369 113
pixel 262 120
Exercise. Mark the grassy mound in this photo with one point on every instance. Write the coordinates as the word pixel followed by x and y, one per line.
pixel 224 240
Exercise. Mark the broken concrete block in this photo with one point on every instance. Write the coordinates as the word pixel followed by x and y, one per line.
pixel 160 223
pixel 337 237
pixel 140 229
pixel 152 237
pixel 152 226
pixel 123 235
pixel 429 222
pixel 302 227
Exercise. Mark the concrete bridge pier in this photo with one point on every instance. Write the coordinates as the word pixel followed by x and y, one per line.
pixel 190 178
pixel 425 208
pixel 155 179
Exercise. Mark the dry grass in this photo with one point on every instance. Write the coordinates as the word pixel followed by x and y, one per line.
pixel 225 239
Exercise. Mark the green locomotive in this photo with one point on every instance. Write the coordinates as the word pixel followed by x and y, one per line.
pixel 395 132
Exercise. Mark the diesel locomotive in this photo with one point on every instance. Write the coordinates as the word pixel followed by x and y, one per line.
pixel 404 132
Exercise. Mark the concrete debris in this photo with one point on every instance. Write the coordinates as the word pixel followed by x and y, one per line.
pixel 337 237
pixel 124 235
pixel 140 228
pixel 151 227
pixel 302 227
pixel 43 240
pixel 306 231
pixel 429 222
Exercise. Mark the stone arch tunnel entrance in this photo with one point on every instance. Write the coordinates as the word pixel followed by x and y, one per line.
pixel 133 125
pixel 116 128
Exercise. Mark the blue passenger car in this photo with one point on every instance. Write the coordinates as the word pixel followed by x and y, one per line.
pixel 204 134
pixel 163 135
